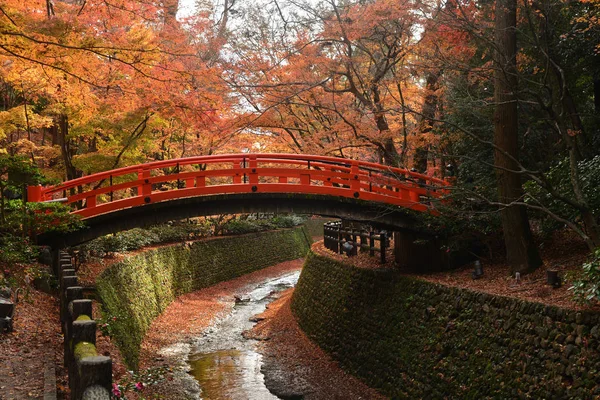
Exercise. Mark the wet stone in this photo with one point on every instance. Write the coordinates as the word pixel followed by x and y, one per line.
pixel 569 350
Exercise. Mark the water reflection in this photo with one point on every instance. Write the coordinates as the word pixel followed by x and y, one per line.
pixel 223 361
pixel 230 374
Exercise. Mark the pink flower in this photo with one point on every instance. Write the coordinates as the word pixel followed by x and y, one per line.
pixel 139 386
pixel 115 390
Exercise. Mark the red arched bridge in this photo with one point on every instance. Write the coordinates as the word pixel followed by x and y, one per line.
pixel 206 185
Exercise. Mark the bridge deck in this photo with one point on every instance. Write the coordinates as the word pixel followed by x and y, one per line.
pixel 160 181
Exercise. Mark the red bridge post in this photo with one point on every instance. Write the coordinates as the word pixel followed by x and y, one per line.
pixel 34 193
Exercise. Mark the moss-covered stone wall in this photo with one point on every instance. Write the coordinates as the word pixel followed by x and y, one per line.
pixel 315 225
pixel 414 339
pixel 137 289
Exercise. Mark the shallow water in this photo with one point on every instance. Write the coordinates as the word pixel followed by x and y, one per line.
pixel 223 361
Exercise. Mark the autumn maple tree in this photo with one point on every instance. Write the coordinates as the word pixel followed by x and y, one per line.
pixel 93 85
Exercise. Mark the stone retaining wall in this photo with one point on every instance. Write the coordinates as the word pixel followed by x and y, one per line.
pixel 414 339
pixel 137 289
pixel 315 225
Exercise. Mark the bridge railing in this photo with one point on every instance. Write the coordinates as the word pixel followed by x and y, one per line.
pixel 243 173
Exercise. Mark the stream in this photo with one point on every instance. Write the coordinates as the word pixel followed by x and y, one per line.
pixel 224 363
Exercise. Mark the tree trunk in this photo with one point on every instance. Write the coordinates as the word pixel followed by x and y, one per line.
pixel 170 8
pixel 62 136
pixel 521 252
pixel 387 146
pixel 425 124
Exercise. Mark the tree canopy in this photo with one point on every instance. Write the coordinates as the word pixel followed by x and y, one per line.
pixel 92 85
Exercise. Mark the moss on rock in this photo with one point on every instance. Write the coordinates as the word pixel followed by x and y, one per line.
pixel 415 339
pixel 84 349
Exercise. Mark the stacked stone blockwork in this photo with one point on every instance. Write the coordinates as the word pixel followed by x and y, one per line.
pixel 414 339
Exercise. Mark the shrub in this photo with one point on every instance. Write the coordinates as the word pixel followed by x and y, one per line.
pixel 288 221
pixel 238 227
pixel 249 225
pixel 586 288
pixel 136 382
pixel 178 233
pixel 123 241
pixel 14 249
pixel 558 176
pixel 170 233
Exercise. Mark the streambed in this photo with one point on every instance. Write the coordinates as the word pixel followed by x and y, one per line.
pixel 223 361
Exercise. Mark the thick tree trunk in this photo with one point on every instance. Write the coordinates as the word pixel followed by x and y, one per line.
pixel 521 252
pixel 62 137
pixel 387 147
pixel 170 8
pixel 425 124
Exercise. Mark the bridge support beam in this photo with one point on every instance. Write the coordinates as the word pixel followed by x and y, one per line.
pixel 422 253
pixel 417 252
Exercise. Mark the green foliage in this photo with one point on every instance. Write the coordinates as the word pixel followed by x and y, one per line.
pixel 288 221
pixel 558 176
pixel 250 225
pixel 51 218
pixel 181 232
pixel 128 240
pixel 37 272
pixel 21 221
pixel 16 250
pixel 586 288
pixel 238 227
pixel 137 238
pixel 16 171
pixel 105 324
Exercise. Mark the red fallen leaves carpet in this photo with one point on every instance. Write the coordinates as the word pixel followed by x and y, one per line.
pixel 35 341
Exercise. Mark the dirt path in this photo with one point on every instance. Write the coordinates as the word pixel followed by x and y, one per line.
pixel 35 343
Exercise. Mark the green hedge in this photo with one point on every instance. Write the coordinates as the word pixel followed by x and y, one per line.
pixel 137 289
pixel 414 339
